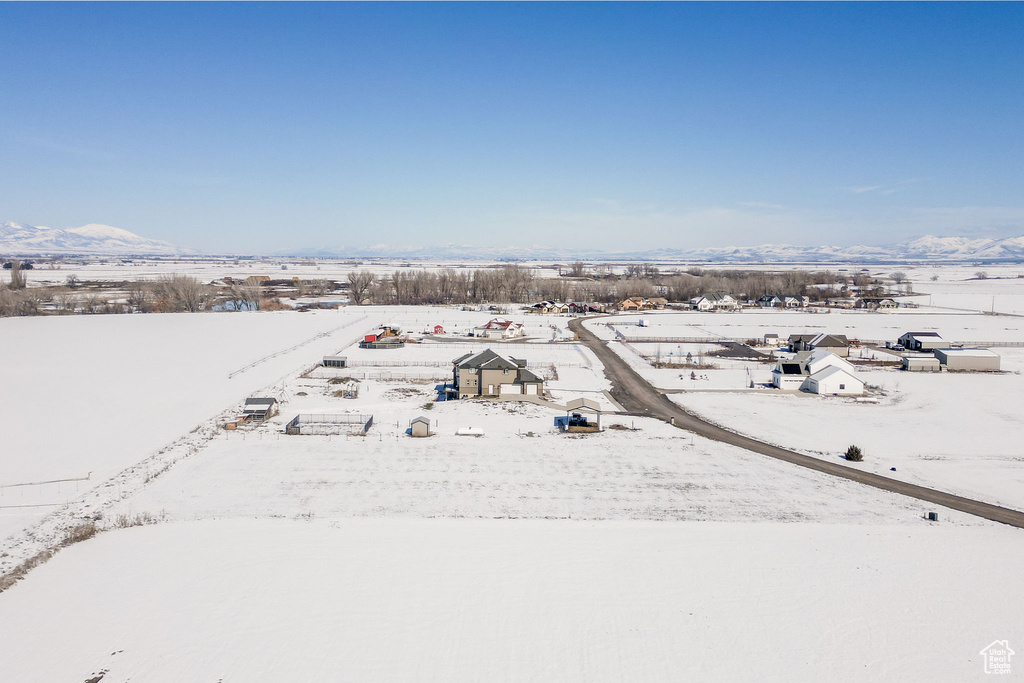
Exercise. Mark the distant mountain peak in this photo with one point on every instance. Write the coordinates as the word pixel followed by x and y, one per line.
pixel 926 248
pixel 94 238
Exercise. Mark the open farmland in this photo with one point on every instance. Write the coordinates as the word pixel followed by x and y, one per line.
pixel 527 600
pixel 474 555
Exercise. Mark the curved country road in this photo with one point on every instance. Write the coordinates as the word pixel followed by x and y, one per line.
pixel 638 397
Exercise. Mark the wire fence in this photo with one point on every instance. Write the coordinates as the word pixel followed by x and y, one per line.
pixel 322 424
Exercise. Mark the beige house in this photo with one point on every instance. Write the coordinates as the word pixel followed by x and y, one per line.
pixel 488 374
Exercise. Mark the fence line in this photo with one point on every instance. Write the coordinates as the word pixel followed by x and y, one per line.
pixel 328 333
pixel 675 340
pixel 50 481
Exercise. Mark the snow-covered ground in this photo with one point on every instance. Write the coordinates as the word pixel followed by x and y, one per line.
pixel 524 554
pixel 953 326
pixel 86 396
pixel 958 432
pixel 516 600
pixel 98 393
pixel 958 287
pixel 955 431
pixel 115 269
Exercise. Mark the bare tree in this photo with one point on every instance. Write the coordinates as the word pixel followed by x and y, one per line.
pixel 65 301
pixel 359 284
pixel 249 294
pixel 899 277
pixel 180 293
pixel 139 296
pixel 17 276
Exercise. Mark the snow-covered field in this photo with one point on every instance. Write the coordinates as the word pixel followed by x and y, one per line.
pixel 114 269
pixel 958 287
pixel 95 394
pixel 524 554
pixel 86 396
pixel 959 432
pixel 955 431
pixel 953 326
pixel 520 600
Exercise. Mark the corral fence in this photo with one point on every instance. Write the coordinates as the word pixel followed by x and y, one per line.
pixel 320 424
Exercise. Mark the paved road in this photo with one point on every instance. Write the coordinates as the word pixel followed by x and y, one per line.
pixel 638 397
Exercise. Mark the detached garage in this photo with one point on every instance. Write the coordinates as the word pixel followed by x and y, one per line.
pixel 834 381
pixel 977 360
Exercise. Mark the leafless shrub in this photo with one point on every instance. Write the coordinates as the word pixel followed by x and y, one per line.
pixel 18 573
pixel 65 301
pixel 125 521
pixel 78 533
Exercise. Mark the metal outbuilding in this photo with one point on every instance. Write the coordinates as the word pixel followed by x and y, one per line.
pixel 978 360
pixel 921 362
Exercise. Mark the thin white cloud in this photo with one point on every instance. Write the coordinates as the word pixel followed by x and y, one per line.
pixel 762 205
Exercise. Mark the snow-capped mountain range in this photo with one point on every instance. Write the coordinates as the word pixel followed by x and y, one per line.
pixel 21 239
pixel 94 239
pixel 928 248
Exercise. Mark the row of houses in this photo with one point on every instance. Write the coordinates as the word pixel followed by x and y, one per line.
pixel 571 307
pixel 639 303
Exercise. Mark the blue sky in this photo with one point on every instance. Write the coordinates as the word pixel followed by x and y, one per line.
pixel 255 127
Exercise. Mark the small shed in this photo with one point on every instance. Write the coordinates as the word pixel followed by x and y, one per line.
pixel 420 427
pixel 977 360
pixel 335 361
pixel 259 408
pixel 921 362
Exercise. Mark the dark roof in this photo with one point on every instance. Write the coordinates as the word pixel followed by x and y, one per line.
pixel 485 359
pixel 528 376
pixel 921 334
pixel 833 340
pixel 258 401
pixel 791 369
pixel 801 337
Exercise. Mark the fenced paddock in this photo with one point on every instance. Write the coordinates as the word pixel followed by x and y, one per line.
pixel 320 424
